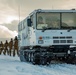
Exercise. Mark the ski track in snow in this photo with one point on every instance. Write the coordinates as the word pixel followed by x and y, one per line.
pixel 13 66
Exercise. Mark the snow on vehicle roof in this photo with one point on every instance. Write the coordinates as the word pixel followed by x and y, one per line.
pixel 51 10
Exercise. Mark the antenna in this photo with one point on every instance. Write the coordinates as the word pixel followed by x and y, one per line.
pixel 19 11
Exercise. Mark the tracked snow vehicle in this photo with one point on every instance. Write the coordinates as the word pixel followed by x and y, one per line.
pixel 48 34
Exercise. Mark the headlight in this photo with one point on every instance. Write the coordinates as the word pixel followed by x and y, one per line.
pixel 40 41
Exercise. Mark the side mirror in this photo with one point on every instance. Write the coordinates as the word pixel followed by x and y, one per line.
pixel 29 22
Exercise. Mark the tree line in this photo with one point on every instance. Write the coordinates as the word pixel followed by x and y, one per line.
pixel 9 48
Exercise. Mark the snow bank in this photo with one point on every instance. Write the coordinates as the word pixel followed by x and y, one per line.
pixel 13 66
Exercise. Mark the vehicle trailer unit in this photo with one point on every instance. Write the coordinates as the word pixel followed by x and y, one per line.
pixel 46 35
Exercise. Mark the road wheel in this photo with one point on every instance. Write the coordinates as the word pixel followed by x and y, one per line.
pixel 74 60
pixel 70 60
pixel 36 59
pixel 22 57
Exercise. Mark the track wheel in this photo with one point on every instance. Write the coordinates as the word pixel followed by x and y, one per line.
pixel 71 60
pixel 74 60
pixel 43 61
pixel 36 59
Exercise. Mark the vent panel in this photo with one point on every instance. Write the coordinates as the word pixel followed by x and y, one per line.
pixel 55 41
pixel 69 41
pixel 62 41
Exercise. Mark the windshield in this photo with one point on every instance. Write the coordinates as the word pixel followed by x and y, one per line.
pixel 48 20
pixel 56 20
pixel 68 20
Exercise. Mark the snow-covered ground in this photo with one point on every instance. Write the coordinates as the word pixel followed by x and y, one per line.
pixel 13 66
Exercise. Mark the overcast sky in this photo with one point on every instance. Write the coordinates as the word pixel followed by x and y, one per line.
pixel 9 12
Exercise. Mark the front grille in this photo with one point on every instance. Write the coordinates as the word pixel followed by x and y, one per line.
pixel 69 41
pixel 55 37
pixel 62 39
pixel 55 41
pixel 69 37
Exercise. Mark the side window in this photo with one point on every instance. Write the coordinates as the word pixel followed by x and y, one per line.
pixel 23 25
pixel 31 20
pixel 18 27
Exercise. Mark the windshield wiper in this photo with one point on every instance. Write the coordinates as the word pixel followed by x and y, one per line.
pixel 70 29
pixel 45 28
pixel 49 28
